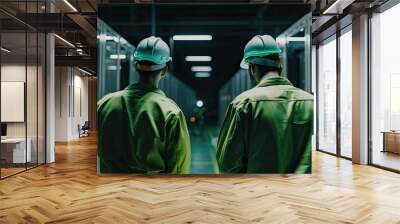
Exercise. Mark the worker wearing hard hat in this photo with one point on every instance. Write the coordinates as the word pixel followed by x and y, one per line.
pixel 140 129
pixel 268 128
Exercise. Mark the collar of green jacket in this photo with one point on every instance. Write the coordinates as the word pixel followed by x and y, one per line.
pixel 273 80
pixel 141 87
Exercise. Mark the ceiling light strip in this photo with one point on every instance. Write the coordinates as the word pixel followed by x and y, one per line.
pixel 70 5
pixel 64 40
pixel 201 69
pixel 202 74
pixel 198 58
pixel 84 71
pixel 5 50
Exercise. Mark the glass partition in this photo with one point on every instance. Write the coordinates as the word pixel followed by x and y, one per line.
pixel 22 93
pixel 13 95
pixel 31 99
pixel 124 52
pixel 115 57
pixel 295 43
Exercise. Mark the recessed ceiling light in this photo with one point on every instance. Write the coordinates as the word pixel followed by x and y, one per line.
pixel 296 39
pixel 192 37
pixel 201 69
pixel 118 56
pixel 202 74
pixel 198 58
pixel 113 68
pixel 199 103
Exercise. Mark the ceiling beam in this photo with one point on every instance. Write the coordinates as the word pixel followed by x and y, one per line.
pixel 86 27
pixel 80 20
pixel 79 61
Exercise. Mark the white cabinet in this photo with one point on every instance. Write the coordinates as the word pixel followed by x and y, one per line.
pixel 17 147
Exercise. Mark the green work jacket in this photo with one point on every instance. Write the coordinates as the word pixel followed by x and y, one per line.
pixel 140 130
pixel 267 129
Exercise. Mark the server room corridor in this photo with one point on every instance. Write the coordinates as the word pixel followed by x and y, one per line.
pixel 204 74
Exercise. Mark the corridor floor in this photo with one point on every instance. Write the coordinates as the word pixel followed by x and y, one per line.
pixel 203 151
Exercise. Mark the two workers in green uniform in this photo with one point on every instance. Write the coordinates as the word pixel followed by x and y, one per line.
pixel 267 129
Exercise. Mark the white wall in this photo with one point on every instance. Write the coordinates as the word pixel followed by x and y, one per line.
pixel 14 72
pixel 80 111
pixel 62 77
pixel 71 102
pixel 17 72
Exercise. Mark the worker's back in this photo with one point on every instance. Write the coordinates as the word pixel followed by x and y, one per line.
pixel 273 130
pixel 142 131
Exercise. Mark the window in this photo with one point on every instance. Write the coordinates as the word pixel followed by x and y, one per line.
pixel 327 95
pixel 346 93
pixel 385 89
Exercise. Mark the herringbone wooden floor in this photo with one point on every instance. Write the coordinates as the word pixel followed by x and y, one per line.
pixel 70 191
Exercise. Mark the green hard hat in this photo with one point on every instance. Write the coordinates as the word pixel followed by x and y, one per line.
pixel 259 46
pixel 155 50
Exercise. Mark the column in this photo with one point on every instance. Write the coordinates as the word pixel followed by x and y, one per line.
pixel 360 90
